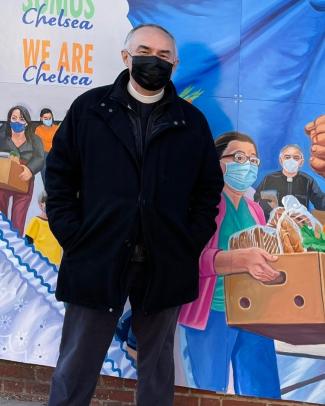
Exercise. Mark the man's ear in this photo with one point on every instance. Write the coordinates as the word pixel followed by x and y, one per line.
pixel 302 162
pixel 125 58
pixel 175 64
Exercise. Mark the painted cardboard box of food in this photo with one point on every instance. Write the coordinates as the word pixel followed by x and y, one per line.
pixel 291 308
pixel 10 169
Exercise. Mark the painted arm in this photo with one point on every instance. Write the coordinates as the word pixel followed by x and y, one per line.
pixel 36 164
pixel 254 261
pixel 316 132
pixel 317 197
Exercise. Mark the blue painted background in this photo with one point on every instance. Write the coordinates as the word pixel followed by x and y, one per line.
pixel 261 65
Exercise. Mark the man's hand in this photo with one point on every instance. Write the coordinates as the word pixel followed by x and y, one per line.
pixel 255 261
pixel 26 174
pixel 316 132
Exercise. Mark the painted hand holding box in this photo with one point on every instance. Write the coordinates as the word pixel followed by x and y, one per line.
pixel 290 308
pixel 9 176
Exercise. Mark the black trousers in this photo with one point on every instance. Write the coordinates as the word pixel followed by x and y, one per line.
pixel 86 337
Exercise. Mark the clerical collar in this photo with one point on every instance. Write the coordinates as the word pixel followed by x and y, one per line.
pixel 144 99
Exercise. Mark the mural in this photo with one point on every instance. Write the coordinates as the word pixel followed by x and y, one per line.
pixel 256 69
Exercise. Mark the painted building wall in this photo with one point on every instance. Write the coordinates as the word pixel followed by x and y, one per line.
pixel 250 66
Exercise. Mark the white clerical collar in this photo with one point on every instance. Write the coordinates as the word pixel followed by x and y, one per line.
pixel 144 99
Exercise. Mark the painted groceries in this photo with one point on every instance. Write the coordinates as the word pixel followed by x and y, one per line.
pixel 292 307
pixel 10 169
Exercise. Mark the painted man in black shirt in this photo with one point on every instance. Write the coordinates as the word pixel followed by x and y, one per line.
pixel 289 181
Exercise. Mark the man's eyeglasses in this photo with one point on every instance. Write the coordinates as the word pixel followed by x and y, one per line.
pixel 242 158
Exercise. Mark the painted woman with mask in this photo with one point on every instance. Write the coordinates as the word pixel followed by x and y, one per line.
pixel 19 139
pixel 210 344
pixel 46 132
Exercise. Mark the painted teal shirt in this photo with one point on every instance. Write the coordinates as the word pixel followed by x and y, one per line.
pixel 235 220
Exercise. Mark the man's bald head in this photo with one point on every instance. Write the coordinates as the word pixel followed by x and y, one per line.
pixel 149 27
pixel 153 37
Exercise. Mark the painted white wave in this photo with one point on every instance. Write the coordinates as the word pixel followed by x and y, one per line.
pixel 30 317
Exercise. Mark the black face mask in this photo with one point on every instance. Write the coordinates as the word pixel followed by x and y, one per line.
pixel 151 72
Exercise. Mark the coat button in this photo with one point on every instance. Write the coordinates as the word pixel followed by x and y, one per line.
pixel 176 122
pixel 110 110
pixel 111 310
pixel 183 122
pixel 102 104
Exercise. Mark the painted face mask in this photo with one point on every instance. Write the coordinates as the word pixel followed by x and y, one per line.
pixel 48 122
pixel 291 165
pixel 151 72
pixel 17 127
pixel 240 176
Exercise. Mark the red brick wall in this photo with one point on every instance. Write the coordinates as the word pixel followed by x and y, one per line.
pixel 32 382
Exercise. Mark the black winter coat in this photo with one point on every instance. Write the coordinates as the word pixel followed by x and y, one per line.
pixel 98 191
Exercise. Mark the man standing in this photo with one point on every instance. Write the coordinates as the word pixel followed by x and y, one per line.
pixel 133 182
pixel 289 181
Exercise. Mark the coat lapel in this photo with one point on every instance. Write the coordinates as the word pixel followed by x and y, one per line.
pixel 118 121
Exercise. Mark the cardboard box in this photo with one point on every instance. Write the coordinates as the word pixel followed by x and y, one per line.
pixel 290 310
pixel 319 215
pixel 9 176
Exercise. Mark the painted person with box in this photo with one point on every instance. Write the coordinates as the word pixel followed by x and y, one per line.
pixel 26 148
pixel 211 344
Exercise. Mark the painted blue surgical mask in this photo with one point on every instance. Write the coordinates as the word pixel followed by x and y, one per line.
pixel 240 176
pixel 291 165
pixel 17 127
pixel 48 122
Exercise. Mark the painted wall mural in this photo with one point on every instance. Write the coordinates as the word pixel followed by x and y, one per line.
pixel 256 69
